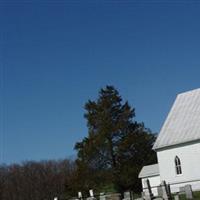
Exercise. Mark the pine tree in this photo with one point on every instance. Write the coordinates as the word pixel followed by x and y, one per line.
pixel 115 143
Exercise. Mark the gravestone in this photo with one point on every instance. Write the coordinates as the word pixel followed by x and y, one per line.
pixel 143 194
pixel 91 195
pixel 176 197
pixel 102 196
pixel 80 196
pixel 115 196
pixel 160 191
pixel 188 192
pixel 108 197
pixel 91 198
pixel 166 192
pixel 127 195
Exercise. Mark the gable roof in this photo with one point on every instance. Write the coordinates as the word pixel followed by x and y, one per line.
pixel 183 121
pixel 149 170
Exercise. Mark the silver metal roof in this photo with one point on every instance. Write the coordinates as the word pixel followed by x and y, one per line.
pixel 149 170
pixel 183 121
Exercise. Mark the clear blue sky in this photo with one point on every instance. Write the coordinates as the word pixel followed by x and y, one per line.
pixel 56 54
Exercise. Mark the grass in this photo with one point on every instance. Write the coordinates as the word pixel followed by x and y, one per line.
pixel 196 196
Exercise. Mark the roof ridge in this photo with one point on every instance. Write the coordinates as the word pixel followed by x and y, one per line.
pixel 188 91
pixel 182 123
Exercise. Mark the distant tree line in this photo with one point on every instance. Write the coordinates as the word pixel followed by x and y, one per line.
pixel 36 180
pixel 109 158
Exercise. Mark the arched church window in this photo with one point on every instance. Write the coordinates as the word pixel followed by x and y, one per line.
pixel 178 165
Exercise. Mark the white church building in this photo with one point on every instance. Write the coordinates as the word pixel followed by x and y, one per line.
pixel 178 146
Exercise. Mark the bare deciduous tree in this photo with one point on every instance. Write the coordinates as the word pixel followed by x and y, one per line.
pixel 35 180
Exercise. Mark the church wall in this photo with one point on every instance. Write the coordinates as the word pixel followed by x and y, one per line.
pixel 154 182
pixel 189 155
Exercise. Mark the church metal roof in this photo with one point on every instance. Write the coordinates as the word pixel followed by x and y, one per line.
pixel 183 121
pixel 149 170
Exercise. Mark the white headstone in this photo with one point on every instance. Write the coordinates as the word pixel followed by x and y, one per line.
pixel 127 195
pixel 160 191
pixel 91 193
pixel 80 195
pixel 102 196
pixel 188 192
pixel 176 197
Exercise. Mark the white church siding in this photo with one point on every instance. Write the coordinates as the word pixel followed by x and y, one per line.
pixel 179 138
pixel 150 172
pixel 189 156
pixel 154 182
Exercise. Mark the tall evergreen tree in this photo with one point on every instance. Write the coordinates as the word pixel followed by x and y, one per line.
pixel 116 146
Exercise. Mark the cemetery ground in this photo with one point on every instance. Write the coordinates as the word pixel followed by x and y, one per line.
pixel 196 196
pixel 186 194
